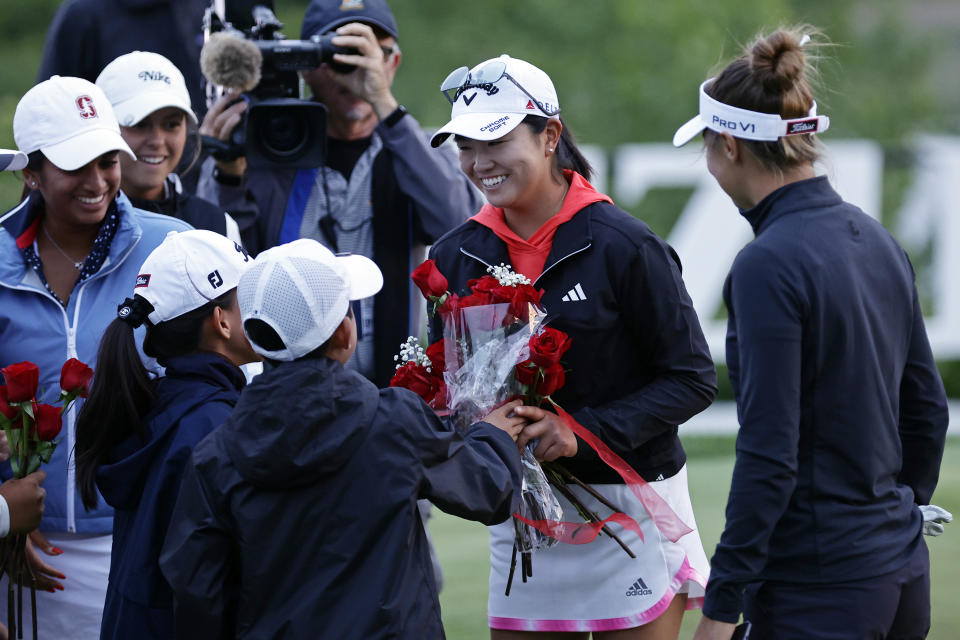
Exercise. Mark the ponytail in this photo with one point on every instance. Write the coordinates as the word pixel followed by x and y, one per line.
pixel 123 391
pixel 773 76
pixel 568 155
pixel 120 396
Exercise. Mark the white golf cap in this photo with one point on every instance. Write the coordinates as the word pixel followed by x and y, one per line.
pixel 139 83
pixel 188 270
pixel 69 120
pixel 12 160
pixel 743 123
pixel 303 291
pixel 494 97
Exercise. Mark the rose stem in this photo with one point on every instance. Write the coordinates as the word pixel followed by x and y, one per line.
pixel 571 497
pixel 33 599
pixel 22 560
pixel 513 566
pixel 596 494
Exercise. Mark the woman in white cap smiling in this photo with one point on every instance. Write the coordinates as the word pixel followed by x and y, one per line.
pixel 152 105
pixel 135 432
pixel 842 412
pixel 638 364
pixel 68 253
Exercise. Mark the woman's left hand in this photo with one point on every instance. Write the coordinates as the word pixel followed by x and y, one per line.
pixel 556 438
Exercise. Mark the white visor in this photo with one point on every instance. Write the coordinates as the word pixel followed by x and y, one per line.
pixel 743 123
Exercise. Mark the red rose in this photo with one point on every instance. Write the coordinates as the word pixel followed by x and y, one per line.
pixel 523 296
pixel 48 421
pixel 527 372
pixel 5 408
pixel 477 299
pixel 440 397
pixel 22 381
pixel 432 283
pixel 437 354
pixel 553 379
pixel 548 346
pixel 490 287
pixel 415 377
pixel 449 306
pixel 75 377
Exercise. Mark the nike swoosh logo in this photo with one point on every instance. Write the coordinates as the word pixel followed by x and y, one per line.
pixel 468 100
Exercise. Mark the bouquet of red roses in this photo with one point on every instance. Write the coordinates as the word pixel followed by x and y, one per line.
pixel 496 347
pixel 31 428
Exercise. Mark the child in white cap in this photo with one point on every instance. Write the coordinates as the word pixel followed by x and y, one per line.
pixel 152 104
pixel 298 518
pixel 68 253
pixel 136 432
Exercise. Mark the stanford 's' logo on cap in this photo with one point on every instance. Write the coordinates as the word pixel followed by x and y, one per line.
pixel 143 280
pixel 86 108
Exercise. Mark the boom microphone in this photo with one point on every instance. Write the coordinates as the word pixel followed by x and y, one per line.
pixel 231 62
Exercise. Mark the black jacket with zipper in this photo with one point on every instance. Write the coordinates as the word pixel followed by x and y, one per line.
pixel 638 365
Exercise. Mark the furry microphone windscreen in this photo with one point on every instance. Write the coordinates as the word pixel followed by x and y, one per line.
pixel 231 62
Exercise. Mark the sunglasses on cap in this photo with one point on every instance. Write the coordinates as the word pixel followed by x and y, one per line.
pixel 462 79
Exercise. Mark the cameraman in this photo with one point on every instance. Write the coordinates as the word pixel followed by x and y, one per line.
pixel 382 192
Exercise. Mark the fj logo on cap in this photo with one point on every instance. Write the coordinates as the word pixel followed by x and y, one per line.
pixel 86 108
pixel 215 279
pixel 156 76
pixel 143 280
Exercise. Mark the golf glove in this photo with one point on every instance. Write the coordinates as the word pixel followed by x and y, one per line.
pixel 934 518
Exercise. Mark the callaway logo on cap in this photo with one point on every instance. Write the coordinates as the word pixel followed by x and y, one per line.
pixel 492 98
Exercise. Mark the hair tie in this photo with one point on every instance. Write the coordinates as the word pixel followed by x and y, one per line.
pixel 134 311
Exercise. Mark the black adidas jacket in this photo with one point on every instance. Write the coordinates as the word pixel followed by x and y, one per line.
pixel 638 364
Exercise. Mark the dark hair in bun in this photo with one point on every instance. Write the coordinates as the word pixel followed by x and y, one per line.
pixel 773 76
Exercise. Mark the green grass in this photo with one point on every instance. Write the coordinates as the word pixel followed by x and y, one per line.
pixel 462 545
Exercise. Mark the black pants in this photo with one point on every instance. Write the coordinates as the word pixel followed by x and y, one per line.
pixel 894 606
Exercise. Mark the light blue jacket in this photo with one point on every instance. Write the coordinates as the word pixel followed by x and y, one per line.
pixel 35 327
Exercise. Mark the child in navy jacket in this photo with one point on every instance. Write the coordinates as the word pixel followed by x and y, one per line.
pixel 299 517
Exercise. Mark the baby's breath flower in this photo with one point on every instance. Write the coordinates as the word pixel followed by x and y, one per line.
pixel 506 276
pixel 411 351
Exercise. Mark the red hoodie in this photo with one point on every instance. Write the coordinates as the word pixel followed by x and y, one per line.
pixel 528 256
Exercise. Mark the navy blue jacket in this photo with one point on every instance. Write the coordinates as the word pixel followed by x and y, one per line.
pixel 86 35
pixel 141 481
pixel 842 412
pixel 298 518
pixel 638 364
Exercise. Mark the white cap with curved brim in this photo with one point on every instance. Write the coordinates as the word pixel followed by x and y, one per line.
pixel 743 123
pixel 141 82
pixel 12 160
pixel 487 111
pixel 302 291
pixel 69 120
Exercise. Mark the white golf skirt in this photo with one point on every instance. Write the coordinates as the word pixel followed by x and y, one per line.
pixel 597 586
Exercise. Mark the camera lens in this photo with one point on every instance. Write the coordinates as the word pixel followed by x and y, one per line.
pixel 284 133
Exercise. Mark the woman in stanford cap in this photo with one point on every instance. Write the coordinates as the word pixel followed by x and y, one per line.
pixel 68 254
pixel 152 105
pixel 842 411
pixel 135 432
pixel 637 367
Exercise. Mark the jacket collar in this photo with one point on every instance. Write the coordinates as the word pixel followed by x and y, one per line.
pixel 207 366
pixel 812 193
pixel 17 221
pixel 571 237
